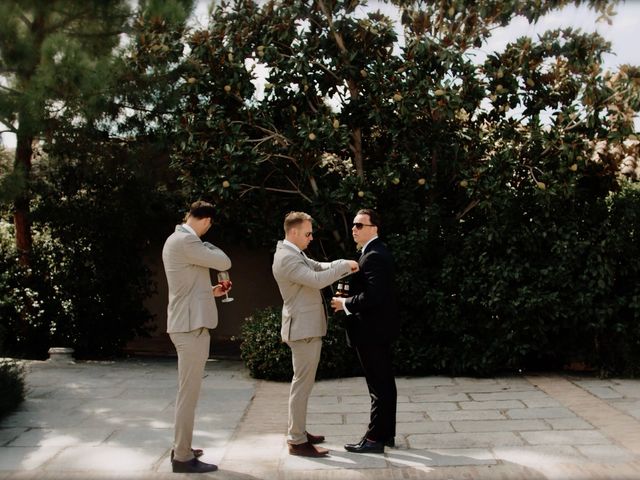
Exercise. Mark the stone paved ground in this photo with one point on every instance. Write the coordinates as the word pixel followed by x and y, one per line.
pixel 114 420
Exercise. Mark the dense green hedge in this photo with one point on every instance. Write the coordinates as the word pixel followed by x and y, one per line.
pixel 528 286
pixel 546 287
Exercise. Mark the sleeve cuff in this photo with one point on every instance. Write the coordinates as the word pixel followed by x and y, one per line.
pixel 344 306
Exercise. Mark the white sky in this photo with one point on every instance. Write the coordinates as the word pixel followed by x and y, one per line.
pixel 625 42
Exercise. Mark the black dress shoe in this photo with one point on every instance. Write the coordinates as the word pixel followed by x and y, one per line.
pixel 197 452
pixel 390 442
pixel 349 446
pixel 367 446
pixel 192 466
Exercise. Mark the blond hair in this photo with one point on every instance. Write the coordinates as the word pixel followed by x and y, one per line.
pixel 294 219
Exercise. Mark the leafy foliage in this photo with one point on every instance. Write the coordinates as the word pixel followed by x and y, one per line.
pixel 12 385
pixel 267 357
pixel 498 180
pixel 99 187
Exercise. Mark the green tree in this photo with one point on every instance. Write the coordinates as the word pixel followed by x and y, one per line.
pixel 99 190
pixel 51 53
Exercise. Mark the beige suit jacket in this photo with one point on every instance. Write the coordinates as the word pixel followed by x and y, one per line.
pixel 300 280
pixel 187 261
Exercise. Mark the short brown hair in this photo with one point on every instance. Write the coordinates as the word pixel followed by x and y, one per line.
pixel 293 219
pixel 201 209
pixel 374 218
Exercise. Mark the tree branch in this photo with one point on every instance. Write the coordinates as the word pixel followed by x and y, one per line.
pixel 336 35
pixel 25 20
pixel 271 189
pixel 10 90
pixel 9 124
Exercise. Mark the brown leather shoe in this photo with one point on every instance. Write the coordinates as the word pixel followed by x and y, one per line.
pixel 315 439
pixel 307 450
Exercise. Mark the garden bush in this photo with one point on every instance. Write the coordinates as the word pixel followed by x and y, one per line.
pixel 267 357
pixel 88 278
pixel 12 386
pixel 499 295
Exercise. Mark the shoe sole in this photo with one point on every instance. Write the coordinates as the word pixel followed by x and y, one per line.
pixel 309 456
pixel 364 451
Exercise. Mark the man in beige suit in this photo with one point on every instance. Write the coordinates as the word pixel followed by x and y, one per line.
pixel 191 313
pixel 304 321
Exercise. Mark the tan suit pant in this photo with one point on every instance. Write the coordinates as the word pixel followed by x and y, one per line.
pixel 193 352
pixel 305 355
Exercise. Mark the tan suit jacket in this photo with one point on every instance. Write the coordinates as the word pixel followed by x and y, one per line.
pixel 300 280
pixel 187 261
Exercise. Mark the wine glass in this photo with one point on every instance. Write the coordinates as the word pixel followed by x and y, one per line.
pixel 225 282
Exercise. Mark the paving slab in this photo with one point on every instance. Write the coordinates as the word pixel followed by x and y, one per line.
pixel 113 420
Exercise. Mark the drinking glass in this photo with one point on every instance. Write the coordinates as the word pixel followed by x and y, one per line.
pixel 225 282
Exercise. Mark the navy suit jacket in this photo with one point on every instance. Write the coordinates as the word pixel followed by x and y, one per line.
pixel 373 306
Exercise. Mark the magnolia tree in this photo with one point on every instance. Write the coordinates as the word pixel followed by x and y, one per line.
pixel 494 178
pixel 348 115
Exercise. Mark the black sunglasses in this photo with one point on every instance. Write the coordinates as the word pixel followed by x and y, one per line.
pixel 359 225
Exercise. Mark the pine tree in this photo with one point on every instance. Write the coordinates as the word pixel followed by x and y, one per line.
pixel 52 52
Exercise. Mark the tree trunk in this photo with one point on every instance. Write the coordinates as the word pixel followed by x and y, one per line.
pixel 21 220
pixel 356 148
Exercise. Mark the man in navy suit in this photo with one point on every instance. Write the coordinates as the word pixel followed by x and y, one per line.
pixel 372 325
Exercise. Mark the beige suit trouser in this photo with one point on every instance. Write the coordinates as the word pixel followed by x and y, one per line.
pixel 193 352
pixel 305 355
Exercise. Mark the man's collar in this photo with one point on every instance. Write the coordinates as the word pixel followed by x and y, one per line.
pixel 292 245
pixel 189 229
pixel 367 244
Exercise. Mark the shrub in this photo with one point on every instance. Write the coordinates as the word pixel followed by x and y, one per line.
pixel 94 216
pixel 12 386
pixel 534 284
pixel 267 357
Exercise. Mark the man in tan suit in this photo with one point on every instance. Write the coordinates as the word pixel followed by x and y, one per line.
pixel 304 321
pixel 191 313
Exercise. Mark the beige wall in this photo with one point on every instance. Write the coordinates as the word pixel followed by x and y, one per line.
pixel 253 288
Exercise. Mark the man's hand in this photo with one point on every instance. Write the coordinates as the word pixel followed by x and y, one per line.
pixel 354 266
pixel 219 290
pixel 337 304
